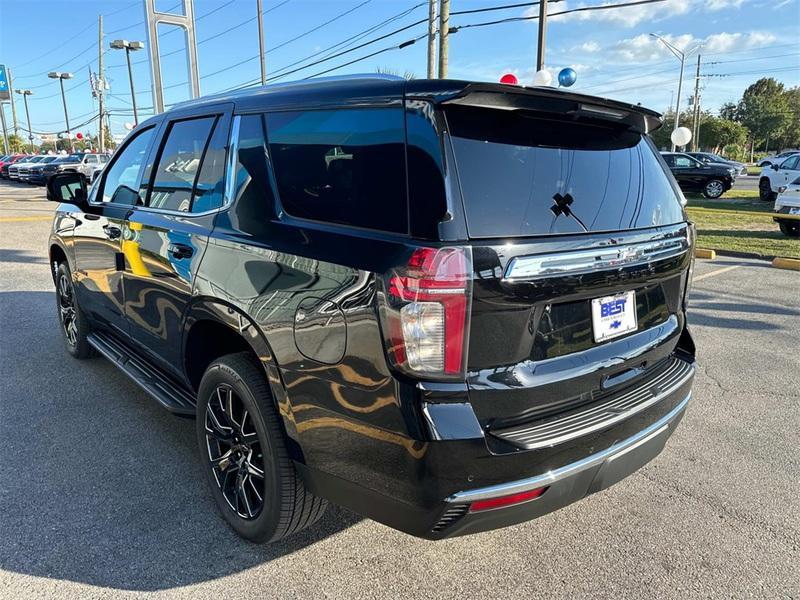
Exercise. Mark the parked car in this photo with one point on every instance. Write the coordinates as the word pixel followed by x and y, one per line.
pixel 710 158
pixel 25 170
pixel 777 158
pixel 350 322
pixel 13 170
pixel 79 162
pixel 694 176
pixel 13 160
pixel 787 208
pixel 776 176
pixel 7 159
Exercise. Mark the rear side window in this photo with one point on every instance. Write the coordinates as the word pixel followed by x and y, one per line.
pixel 342 166
pixel 179 163
pixel 524 175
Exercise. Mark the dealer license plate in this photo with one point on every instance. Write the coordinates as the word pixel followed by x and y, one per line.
pixel 613 316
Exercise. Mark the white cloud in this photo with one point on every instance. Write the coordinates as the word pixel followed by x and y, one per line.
pixel 645 48
pixel 590 47
pixel 631 16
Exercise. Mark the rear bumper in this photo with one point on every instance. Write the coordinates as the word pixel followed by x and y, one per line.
pixel 566 484
pixel 428 489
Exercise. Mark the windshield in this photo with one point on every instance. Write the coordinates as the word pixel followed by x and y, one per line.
pixel 530 175
pixel 72 158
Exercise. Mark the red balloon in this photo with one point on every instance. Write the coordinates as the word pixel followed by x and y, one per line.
pixel 79 135
pixel 509 78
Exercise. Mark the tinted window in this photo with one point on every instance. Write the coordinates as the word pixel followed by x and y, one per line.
pixel 341 166
pixel 178 164
pixel 123 174
pixel 252 190
pixel 208 191
pixel 528 175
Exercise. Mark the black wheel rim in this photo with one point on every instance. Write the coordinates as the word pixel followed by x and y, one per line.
pixel 234 452
pixel 66 310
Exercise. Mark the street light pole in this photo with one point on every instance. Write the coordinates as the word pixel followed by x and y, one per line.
pixel 25 94
pixel 681 56
pixel 129 47
pixel 61 77
pixel 542 35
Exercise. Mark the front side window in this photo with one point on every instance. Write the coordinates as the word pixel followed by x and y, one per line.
pixel 341 166
pixel 123 174
pixel 684 162
pixel 209 188
pixel 91 159
pixel 790 164
pixel 179 163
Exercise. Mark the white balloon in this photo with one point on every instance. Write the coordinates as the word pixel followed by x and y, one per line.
pixel 681 136
pixel 128 126
pixel 542 77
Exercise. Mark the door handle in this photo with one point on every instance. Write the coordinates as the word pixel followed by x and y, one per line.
pixel 180 251
pixel 112 233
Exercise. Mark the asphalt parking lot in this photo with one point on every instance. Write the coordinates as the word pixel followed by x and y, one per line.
pixel 102 493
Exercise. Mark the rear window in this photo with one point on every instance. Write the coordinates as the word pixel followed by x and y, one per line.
pixel 341 166
pixel 527 175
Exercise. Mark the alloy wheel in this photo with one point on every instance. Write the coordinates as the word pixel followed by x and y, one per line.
pixel 714 188
pixel 235 452
pixel 66 309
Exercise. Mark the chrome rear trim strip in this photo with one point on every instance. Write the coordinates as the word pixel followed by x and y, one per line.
pixel 580 262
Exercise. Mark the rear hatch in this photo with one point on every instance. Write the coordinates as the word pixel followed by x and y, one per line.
pixel 580 251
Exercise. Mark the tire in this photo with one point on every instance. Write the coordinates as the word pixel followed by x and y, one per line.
pixel 765 192
pixel 74 324
pixel 790 228
pixel 234 402
pixel 713 189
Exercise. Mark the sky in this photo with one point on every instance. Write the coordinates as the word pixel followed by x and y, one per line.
pixel 611 50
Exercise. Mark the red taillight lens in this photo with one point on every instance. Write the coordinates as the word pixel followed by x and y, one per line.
pixel 504 501
pixel 428 311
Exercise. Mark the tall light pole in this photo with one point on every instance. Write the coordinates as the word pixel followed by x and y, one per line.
pixel 542 35
pixel 681 56
pixel 25 94
pixel 61 77
pixel 129 47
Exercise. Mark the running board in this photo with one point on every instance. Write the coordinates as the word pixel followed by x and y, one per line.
pixel 169 395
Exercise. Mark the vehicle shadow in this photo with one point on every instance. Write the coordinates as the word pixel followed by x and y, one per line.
pixel 98 484
pixel 21 256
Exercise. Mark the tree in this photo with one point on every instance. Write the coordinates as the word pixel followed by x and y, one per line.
pixel 108 138
pixel 764 110
pixel 16 142
pixel 716 133
pixel 791 137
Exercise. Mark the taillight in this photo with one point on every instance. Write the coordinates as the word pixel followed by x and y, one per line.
pixel 426 312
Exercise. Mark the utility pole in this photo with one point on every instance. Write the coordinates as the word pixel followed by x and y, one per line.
pixel 542 35
pixel 101 83
pixel 431 39
pixel 13 106
pixel 444 29
pixel 262 54
pixel 696 102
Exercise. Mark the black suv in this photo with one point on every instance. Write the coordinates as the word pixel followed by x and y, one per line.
pixel 447 306
pixel 711 180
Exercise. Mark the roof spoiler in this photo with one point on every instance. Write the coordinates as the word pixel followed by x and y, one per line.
pixel 549 100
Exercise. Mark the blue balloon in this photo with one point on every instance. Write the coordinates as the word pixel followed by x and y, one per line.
pixel 566 77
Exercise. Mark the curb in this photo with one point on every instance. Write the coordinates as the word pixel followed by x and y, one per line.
pixel 735 254
pixel 703 253
pixel 793 264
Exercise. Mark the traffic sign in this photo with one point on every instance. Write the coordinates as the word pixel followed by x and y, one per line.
pixel 5 87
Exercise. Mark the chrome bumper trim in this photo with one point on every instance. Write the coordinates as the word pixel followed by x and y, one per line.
pixel 551 477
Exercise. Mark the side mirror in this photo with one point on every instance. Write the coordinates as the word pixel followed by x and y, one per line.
pixel 774 166
pixel 67 187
